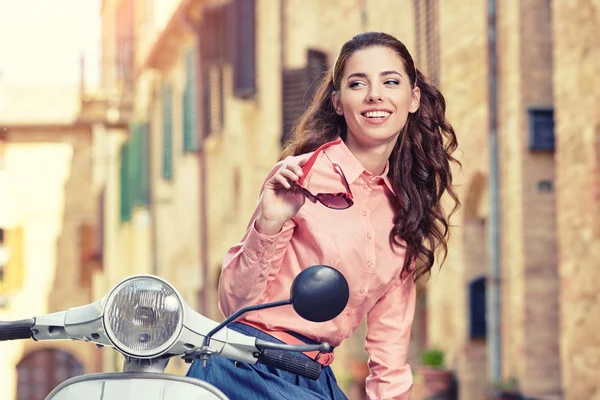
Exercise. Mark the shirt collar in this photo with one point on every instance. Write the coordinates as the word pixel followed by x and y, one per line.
pixel 341 155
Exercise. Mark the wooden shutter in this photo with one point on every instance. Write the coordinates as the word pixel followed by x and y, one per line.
pixel 167 114
pixel 125 40
pixel 215 34
pixel 215 46
pixel 427 38
pixel 134 164
pixel 144 170
pixel 316 68
pixel 298 89
pixel 124 184
pixel 214 113
pixel 244 63
pixel 14 273
pixel 99 253
pixel 190 122
pixel 294 87
pixel 87 248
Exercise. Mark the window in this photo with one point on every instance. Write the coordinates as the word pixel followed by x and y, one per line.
pixel 11 259
pixel 143 145
pixel 190 103
pixel 427 51
pixel 125 203
pixel 541 129
pixel 215 45
pixel 167 115
pixel 125 39
pixel 298 89
pixel 38 373
pixel 244 62
pixel 135 170
pixel 87 249
pixel 477 309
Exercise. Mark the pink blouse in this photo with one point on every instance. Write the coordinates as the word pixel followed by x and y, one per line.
pixel 355 241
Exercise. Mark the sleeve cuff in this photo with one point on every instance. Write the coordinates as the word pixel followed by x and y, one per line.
pixel 260 248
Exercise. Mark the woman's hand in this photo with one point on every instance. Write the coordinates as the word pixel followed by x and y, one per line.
pixel 281 199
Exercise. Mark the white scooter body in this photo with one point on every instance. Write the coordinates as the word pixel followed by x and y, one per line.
pixel 135 386
pixel 146 320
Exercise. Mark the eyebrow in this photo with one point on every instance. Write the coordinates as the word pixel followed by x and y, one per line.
pixel 363 75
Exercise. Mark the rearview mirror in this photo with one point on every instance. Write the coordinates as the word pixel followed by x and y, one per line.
pixel 319 293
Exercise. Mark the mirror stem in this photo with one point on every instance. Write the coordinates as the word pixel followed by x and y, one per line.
pixel 238 313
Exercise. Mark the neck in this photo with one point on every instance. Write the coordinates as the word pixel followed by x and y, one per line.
pixel 374 157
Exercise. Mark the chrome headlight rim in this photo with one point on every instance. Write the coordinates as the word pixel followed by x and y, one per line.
pixel 147 354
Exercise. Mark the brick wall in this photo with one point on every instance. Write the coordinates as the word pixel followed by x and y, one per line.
pixel 576 97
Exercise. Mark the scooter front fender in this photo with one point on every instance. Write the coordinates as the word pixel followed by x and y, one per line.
pixel 135 386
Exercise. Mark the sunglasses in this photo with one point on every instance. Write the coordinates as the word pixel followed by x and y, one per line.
pixel 336 201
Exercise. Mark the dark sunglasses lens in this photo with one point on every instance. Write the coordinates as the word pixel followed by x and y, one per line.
pixel 335 202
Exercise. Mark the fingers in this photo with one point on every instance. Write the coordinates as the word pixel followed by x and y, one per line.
pixel 287 175
pixel 303 161
pixel 280 179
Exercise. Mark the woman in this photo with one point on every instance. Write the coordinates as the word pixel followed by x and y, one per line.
pixel 372 155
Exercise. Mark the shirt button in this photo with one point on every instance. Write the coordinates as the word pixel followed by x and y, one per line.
pixel 362 291
pixel 369 236
pixel 259 254
pixel 263 243
pixel 349 313
pixel 366 188
pixel 364 213
pixel 370 264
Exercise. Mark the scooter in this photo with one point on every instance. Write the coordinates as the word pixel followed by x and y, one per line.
pixel 147 321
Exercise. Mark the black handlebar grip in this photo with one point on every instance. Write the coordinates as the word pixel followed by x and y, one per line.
pixel 291 362
pixel 14 330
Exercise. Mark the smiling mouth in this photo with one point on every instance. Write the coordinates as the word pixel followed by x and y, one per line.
pixel 376 114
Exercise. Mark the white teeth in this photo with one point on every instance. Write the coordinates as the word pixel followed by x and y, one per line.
pixel 376 114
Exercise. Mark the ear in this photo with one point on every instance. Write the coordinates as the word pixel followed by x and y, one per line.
pixel 337 103
pixel 416 100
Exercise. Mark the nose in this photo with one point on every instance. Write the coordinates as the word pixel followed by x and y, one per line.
pixel 374 95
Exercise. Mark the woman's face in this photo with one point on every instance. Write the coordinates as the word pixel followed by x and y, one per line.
pixel 375 96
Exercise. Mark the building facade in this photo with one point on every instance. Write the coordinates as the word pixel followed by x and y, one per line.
pixel 200 94
pixel 47 232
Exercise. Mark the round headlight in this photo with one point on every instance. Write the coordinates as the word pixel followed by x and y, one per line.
pixel 143 316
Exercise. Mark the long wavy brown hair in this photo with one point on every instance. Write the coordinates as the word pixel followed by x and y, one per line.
pixel 419 170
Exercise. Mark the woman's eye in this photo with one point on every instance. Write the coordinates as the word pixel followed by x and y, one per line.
pixel 355 84
pixel 392 82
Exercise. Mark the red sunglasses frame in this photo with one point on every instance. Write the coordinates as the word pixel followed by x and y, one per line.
pixel 346 196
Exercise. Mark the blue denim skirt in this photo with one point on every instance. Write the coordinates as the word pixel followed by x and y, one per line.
pixel 260 382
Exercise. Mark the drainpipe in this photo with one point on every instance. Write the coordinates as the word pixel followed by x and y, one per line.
pixel 151 169
pixel 201 135
pixel 493 298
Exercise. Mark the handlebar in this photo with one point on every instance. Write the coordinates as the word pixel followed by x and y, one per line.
pixel 291 362
pixel 14 330
pixel 286 357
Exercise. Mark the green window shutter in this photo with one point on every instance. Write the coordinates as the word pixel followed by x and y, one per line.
pixel 134 170
pixel 167 154
pixel 144 193
pixel 190 122
pixel 124 184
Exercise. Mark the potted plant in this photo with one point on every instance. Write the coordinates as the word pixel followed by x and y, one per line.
pixel 436 381
pixel 505 390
